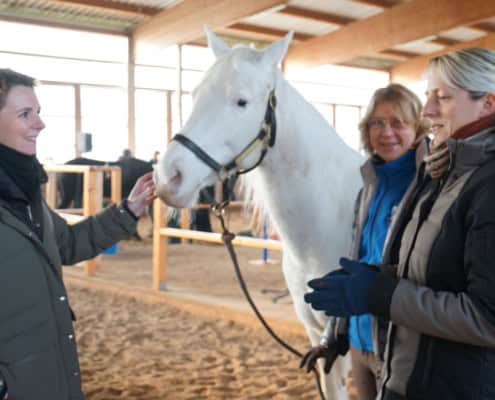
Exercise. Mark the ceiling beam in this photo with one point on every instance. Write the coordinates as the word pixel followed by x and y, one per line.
pixel 114 6
pixel 62 25
pixel 399 54
pixel 264 32
pixel 315 16
pixel 484 27
pixel 185 21
pixel 377 3
pixel 412 70
pixel 400 24
pixel 443 41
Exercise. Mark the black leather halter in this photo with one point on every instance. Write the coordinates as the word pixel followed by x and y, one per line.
pixel 265 138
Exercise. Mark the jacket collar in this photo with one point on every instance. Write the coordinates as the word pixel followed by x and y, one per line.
pixel 9 190
pixel 471 152
pixel 368 170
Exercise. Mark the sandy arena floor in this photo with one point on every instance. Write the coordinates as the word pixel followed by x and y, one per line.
pixel 134 344
pixel 196 340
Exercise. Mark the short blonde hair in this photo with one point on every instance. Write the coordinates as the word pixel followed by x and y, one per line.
pixel 408 105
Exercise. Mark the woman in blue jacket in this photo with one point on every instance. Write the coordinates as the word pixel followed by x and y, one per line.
pixel 391 133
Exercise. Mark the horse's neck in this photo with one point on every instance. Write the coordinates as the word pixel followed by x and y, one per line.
pixel 310 179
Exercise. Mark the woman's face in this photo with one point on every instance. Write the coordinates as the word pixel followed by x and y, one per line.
pixel 20 123
pixel 450 108
pixel 390 136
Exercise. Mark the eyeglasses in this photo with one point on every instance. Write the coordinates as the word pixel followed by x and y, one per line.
pixel 379 124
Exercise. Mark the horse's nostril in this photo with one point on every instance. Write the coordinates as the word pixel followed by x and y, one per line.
pixel 176 178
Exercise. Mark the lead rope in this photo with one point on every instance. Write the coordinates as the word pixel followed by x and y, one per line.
pixel 227 238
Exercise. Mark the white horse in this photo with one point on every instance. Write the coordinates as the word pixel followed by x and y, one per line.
pixel 309 177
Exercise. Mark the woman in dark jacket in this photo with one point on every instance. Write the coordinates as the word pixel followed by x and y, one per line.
pixel 38 356
pixel 441 297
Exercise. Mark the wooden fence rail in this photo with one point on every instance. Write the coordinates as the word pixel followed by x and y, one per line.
pixel 161 232
pixel 92 195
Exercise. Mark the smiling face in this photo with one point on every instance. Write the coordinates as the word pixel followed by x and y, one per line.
pixel 20 122
pixel 450 108
pixel 389 135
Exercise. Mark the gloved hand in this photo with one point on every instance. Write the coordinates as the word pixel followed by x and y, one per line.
pixel 328 352
pixel 344 292
pixel 438 161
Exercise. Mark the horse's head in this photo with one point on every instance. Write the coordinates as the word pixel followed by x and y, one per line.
pixel 229 107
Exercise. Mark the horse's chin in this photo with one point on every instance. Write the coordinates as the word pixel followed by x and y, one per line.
pixel 174 199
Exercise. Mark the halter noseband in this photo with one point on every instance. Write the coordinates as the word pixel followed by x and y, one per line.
pixel 265 138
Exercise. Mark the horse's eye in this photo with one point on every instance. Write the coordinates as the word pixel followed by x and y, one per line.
pixel 241 103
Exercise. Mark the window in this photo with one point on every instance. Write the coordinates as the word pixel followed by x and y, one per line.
pixel 326 110
pixel 197 58
pixel 104 115
pixel 346 124
pixel 57 111
pixel 151 123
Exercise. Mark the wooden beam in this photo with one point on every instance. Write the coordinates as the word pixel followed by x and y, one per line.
pixel 378 3
pixel 115 6
pixel 412 70
pixel 399 54
pixel 484 27
pixel 399 24
pixel 185 22
pixel 266 33
pixel 443 41
pixel 316 16
pixel 80 27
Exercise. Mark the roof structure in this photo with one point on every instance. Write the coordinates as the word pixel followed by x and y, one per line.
pixel 398 36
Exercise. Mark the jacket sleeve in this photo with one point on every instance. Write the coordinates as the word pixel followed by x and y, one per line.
pixel 469 316
pixel 88 238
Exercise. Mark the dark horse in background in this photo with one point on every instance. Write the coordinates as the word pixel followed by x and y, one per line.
pixel 70 186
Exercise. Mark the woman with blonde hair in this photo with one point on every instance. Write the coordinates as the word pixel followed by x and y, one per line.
pixel 441 299
pixel 392 134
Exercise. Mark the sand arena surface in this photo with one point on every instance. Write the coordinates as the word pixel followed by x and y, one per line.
pixel 196 341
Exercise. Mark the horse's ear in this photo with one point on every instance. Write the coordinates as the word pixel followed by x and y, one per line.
pixel 217 45
pixel 275 53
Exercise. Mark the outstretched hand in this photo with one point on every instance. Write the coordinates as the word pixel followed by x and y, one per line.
pixel 344 292
pixel 142 194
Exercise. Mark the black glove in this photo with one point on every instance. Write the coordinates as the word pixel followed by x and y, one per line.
pixel 343 292
pixel 329 352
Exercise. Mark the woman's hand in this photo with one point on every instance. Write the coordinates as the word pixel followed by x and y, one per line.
pixel 142 194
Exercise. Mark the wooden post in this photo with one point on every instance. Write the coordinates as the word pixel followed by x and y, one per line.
pixel 184 222
pixel 159 245
pixel 92 203
pixel 51 190
pixel 116 185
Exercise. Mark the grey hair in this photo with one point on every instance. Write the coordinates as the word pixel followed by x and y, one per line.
pixel 470 69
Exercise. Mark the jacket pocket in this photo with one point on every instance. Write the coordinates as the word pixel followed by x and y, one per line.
pixel 25 328
pixel 36 376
